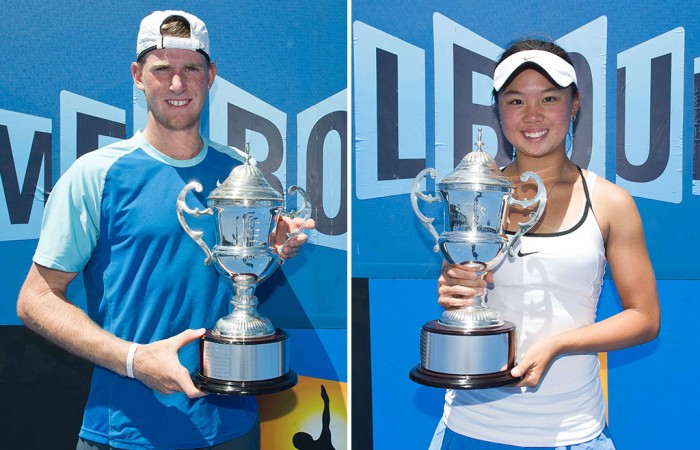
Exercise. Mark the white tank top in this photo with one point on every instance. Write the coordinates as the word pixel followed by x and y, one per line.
pixel 551 286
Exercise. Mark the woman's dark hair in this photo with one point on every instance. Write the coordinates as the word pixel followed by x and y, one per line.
pixel 534 44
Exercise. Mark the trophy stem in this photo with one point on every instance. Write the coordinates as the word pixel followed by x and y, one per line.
pixel 244 320
pixel 480 300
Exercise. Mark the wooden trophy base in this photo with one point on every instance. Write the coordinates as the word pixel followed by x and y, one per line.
pixel 450 381
pixel 223 387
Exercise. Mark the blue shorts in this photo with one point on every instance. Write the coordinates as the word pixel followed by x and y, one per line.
pixel 446 439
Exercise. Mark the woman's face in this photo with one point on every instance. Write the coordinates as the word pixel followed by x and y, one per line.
pixel 535 114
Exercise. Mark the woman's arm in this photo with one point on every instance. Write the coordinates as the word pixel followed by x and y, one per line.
pixel 632 272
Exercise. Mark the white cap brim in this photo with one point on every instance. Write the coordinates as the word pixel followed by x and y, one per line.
pixel 559 70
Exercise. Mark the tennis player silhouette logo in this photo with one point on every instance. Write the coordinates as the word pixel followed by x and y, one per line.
pixel 304 441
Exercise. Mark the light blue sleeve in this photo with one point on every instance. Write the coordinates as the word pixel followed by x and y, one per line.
pixel 70 227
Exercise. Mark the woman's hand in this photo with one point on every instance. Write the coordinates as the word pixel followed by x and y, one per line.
pixel 458 285
pixel 535 363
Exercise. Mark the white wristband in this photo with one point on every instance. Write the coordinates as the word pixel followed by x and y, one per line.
pixel 130 360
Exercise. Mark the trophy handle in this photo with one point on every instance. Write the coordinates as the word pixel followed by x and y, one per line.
pixel 540 198
pixel 181 206
pixel 415 194
pixel 304 213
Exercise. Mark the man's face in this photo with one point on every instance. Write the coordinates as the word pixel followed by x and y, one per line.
pixel 176 83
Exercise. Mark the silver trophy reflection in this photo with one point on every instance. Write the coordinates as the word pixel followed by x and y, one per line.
pixel 244 353
pixel 472 347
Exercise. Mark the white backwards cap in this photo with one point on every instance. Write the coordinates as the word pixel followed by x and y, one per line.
pixel 559 70
pixel 149 37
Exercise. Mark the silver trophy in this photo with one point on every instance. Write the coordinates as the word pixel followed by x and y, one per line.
pixel 244 354
pixel 472 347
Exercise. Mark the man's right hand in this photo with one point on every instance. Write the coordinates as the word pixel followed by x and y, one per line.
pixel 157 365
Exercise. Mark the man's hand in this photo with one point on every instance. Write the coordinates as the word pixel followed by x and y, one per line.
pixel 287 225
pixel 157 365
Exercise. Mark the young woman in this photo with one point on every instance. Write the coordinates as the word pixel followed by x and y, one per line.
pixel 550 289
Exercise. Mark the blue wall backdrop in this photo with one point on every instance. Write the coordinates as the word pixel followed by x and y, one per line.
pixel 66 88
pixel 638 63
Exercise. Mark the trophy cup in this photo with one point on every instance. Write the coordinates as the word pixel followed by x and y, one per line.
pixel 472 347
pixel 244 354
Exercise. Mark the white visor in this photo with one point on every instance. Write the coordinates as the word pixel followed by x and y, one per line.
pixel 559 70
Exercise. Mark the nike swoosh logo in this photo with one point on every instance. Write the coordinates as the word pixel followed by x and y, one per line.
pixel 521 254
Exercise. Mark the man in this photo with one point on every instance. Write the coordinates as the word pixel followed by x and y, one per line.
pixel 112 217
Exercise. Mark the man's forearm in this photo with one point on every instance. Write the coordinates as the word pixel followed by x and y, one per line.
pixel 43 307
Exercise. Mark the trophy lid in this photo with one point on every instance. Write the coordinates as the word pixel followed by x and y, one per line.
pixel 476 168
pixel 246 182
